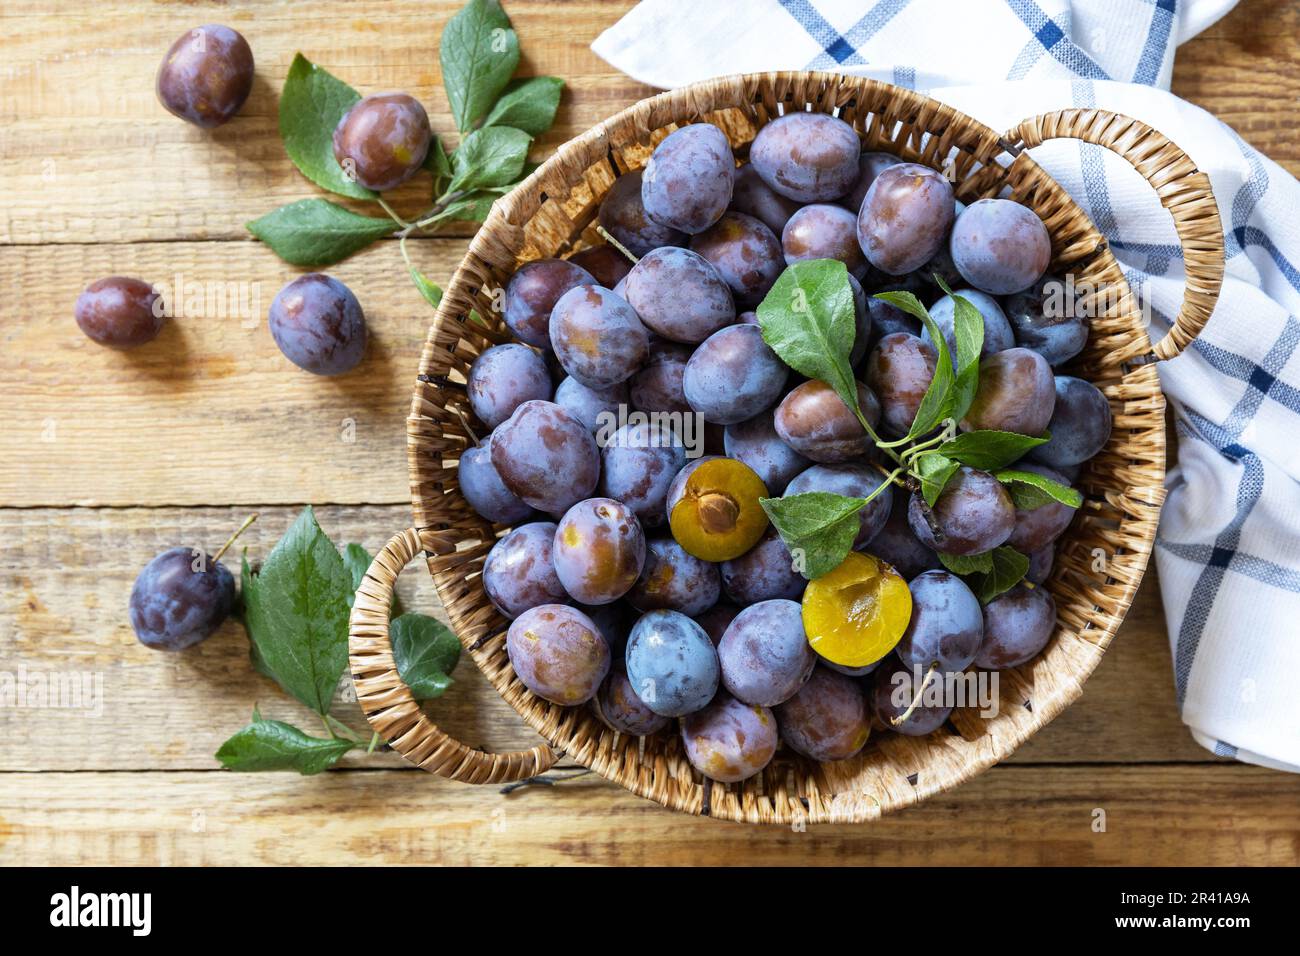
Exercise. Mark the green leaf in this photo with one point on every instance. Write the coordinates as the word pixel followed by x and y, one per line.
pixel 808 320
pixel 1029 490
pixel 493 156
pixel 968 333
pixel 358 560
pixel 431 291
pixel 479 52
pixel 934 470
pixel 1008 569
pixel 937 401
pixel 989 450
pixel 247 586
pixel 317 232
pixel 528 105
pixel 275 745
pixel 425 651
pixel 297 617
pixel 474 206
pixel 437 162
pixel 972 564
pixel 311 105
pixel 818 527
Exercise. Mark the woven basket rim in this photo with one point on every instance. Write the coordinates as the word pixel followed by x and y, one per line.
pixel 1128 375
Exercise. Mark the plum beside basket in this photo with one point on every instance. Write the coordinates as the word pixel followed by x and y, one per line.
pixel 552 214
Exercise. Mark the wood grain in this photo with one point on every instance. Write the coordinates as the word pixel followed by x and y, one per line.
pixel 1156 815
pixel 88 155
pixel 210 412
pixel 1245 69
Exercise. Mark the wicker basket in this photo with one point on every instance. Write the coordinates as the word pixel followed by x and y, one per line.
pixel 552 213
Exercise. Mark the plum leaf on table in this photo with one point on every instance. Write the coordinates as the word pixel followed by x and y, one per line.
pixel 275 745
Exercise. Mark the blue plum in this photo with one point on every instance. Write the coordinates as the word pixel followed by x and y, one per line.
pixel 1015 394
pixel 672 664
pixel 531 294
pixel 674 580
pixel 823 231
pixel 808 157
pixel 657 387
pixel 318 324
pixel 893 689
pixel 729 741
pixel 624 217
pixel 591 406
pixel 180 598
pixel 733 375
pixel 484 489
pixel 905 218
pixel 597 337
pixel 763 573
pixel 997 331
pixel 899 370
pixel 687 182
pixel 623 710
pixel 947 624
pixel 640 461
pixel 519 572
pixel 827 719
pixel 679 295
pixel 206 76
pixel 1080 424
pixel 546 457
pixel 599 550
pixel 502 378
pixel 756 198
pixel 1017 626
pixel 972 515
pixel 382 140
pixel 1048 320
pixel 814 421
pixel 558 653
pixel 1000 246
pixel 119 312
pixel 765 655
pixel 1038 528
pixel 756 443
pixel 745 253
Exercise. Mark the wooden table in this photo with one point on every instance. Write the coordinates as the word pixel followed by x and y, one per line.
pixel 106 459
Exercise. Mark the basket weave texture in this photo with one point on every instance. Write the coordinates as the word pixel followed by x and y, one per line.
pixel 1101 559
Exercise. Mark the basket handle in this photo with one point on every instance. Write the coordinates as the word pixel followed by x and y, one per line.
pixel 386 700
pixel 1183 190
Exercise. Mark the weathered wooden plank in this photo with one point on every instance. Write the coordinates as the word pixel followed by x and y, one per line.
pixel 1246 71
pixel 66 575
pixel 1159 815
pixel 88 155
pixel 210 412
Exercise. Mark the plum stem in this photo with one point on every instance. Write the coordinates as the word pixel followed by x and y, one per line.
pixel 392 214
pixel 617 245
pixel 238 531
pixel 916 699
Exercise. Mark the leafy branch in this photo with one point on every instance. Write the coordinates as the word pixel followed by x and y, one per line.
pixel 808 319
pixel 295 610
pixel 496 118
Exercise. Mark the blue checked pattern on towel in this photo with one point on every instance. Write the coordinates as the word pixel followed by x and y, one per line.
pixel 1228 550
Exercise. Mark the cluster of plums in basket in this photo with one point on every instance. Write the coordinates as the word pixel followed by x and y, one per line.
pixel 648 581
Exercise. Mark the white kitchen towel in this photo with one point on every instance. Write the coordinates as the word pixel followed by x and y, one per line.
pixel 1228 550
